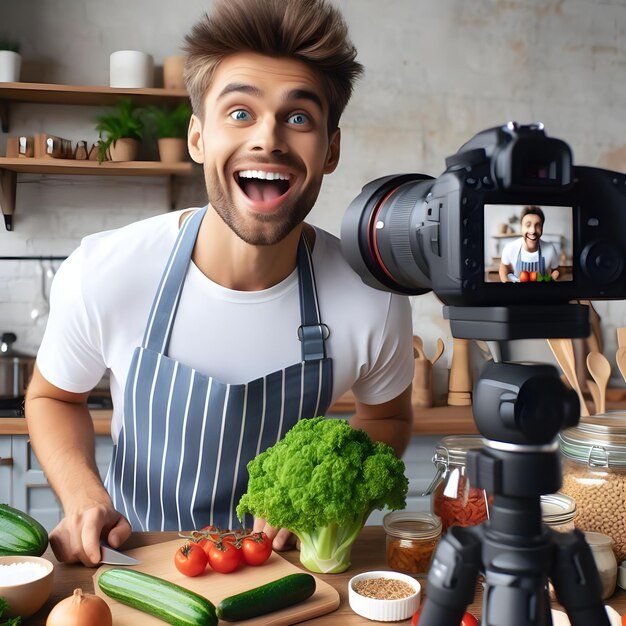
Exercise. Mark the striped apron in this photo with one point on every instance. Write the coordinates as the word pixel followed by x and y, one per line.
pixel 530 266
pixel 180 460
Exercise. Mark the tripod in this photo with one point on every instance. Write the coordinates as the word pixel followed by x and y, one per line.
pixel 519 409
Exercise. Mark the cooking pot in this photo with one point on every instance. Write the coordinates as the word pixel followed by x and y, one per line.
pixel 16 368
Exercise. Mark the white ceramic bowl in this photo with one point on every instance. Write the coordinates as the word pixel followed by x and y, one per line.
pixel 384 610
pixel 27 598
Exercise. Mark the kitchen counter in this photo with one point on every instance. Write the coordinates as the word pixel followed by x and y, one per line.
pixel 17 425
pixel 368 554
pixel 436 420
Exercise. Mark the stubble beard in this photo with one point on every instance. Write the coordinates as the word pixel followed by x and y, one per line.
pixel 261 229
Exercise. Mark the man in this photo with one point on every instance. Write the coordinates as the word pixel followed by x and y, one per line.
pixel 528 256
pixel 224 326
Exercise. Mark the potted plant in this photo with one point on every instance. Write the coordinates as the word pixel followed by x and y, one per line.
pixel 10 60
pixel 170 127
pixel 120 131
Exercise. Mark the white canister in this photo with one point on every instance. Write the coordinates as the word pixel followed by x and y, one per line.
pixel 10 66
pixel 602 549
pixel 131 69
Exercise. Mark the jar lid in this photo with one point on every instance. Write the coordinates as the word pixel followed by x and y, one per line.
pixel 412 525
pixel 598 440
pixel 557 508
pixel 453 449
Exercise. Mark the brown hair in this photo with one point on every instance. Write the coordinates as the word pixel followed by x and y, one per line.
pixel 311 31
pixel 533 210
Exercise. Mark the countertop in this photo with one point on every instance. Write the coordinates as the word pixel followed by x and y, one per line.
pixel 368 554
pixel 436 420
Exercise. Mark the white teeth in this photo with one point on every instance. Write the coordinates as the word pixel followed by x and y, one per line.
pixel 263 175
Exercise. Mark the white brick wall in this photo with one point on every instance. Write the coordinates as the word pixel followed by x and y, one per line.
pixel 436 73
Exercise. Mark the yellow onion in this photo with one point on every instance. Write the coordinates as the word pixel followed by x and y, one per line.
pixel 81 609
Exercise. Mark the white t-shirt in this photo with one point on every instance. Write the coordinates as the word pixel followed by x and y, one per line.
pixel 511 251
pixel 102 294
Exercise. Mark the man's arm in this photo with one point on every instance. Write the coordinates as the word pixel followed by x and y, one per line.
pixel 62 435
pixel 504 272
pixel 389 422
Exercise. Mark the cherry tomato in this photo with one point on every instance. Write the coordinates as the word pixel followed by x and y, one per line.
pixel 224 557
pixel 524 277
pixel 533 277
pixel 256 549
pixel 190 559
pixel 467 620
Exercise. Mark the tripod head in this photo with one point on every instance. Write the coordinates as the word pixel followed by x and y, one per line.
pixel 523 404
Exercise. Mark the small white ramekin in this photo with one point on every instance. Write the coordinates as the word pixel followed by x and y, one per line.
pixel 384 610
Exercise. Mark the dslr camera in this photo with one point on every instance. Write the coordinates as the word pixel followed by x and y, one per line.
pixel 463 235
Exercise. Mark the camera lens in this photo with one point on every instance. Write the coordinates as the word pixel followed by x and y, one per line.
pixel 384 230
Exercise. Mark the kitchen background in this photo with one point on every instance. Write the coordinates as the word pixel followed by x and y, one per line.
pixel 436 73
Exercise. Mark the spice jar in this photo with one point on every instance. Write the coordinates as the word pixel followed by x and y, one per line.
pixel 558 512
pixel 602 550
pixel 455 501
pixel 594 475
pixel 411 540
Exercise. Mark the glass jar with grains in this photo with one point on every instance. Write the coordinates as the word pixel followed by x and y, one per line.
pixel 454 500
pixel 594 475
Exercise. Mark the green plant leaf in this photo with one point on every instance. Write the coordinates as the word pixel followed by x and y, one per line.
pixel 122 121
pixel 167 122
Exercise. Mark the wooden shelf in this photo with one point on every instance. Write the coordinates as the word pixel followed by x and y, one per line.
pixel 10 168
pixel 110 168
pixel 44 93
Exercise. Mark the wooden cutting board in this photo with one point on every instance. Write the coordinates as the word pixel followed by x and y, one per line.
pixel 158 560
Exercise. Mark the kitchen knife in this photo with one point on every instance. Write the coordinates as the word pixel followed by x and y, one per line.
pixel 112 557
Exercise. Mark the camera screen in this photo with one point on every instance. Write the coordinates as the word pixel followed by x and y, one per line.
pixel 528 243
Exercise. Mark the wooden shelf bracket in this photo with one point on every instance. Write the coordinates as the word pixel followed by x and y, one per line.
pixel 8 182
pixel 4 115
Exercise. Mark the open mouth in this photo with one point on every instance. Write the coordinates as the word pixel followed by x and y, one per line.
pixel 261 186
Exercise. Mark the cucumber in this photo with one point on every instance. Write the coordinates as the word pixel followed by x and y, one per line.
pixel 162 599
pixel 273 596
pixel 20 534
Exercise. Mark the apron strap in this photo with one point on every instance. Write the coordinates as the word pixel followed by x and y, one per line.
pixel 312 333
pixel 163 312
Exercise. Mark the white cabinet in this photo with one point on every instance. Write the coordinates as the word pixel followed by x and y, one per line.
pixel 23 484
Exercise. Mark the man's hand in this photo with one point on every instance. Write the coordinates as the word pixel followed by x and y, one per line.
pixel 281 538
pixel 78 535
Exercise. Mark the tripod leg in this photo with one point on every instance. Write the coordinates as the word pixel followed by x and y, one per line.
pixel 452 577
pixel 576 580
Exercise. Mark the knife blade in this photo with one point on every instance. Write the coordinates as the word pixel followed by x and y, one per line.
pixel 112 557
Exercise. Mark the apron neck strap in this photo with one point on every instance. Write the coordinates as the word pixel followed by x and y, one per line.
pixel 312 333
pixel 165 304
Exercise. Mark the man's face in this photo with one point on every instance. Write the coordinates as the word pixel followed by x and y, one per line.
pixel 264 144
pixel 532 228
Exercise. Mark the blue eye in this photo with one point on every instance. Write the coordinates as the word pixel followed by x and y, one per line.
pixel 240 115
pixel 298 119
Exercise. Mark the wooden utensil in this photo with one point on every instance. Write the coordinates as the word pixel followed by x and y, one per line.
pixel 418 348
pixel 621 337
pixel 438 351
pixel 600 369
pixel 563 351
pixel 460 382
pixel 595 394
pixel 620 357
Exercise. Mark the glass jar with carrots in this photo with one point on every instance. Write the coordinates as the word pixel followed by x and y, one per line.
pixel 454 500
